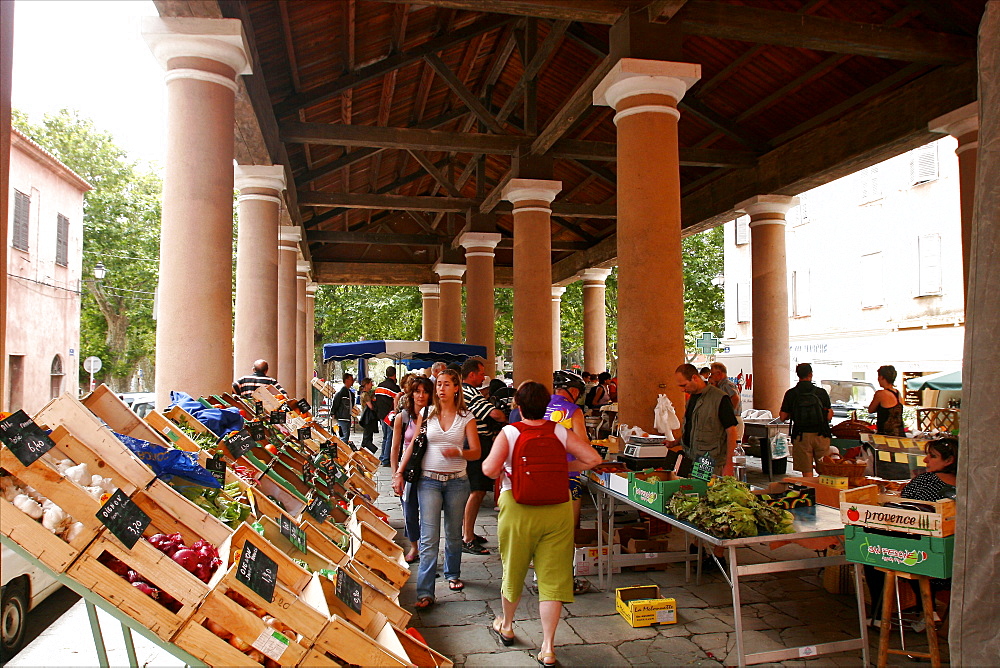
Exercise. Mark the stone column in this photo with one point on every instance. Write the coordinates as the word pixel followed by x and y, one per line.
pixel 595 320
pixel 259 201
pixel 288 239
pixel 6 82
pixel 194 333
pixel 431 297
pixel 302 365
pixel 557 293
pixel 769 298
pixel 645 93
pixel 963 125
pixel 310 347
pixel 480 319
pixel 532 199
pixel 450 309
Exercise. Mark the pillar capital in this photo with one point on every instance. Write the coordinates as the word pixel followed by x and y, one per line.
pixel 531 190
pixel 219 40
pixel 958 123
pixel 430 290
pixel 479 240
pixel 449 273
pixel 767 209
pixel 311 289
pixel 288 236
pixel 303 267
pixel 557 292
pixel 595 276
pixel 649 80
pixel 271 177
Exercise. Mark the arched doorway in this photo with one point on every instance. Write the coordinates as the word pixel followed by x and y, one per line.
pixel 56 376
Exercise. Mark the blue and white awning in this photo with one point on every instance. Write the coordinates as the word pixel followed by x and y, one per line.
pixel 429 351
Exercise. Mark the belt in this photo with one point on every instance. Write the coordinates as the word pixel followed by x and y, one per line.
pixel 443 477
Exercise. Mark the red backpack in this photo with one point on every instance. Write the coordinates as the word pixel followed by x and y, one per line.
pixel 539 471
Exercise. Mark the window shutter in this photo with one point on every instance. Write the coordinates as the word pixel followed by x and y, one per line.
pixel 742 302
pixel 22 209
pixel 923 164
pixel 62 240
pixel 872 281
pixel 929 253
pixel 869 184
pixel 803 210
pixel 742 230
pixel 800 294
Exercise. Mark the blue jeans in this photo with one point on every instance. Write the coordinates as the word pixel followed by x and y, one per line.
pixel 433 497
pixel 411 513
pixel 386 443
pixel 345 430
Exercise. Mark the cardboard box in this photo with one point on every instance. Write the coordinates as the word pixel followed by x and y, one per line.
pixel 585 559
pixel 864 506
pixel 619 482
pixel 656 495
pixel 585 537
pixel 920 555
pixel 644 606
pixel 777 490
pixel 625 533
pixel 646 546
pixel 825 495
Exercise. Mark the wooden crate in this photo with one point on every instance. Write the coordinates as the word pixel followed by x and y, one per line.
pixel 369 534
pixel 170 512
pixel 267 396
pixel 313 558
pixel 180 416
pixel 342 642
pixel 268 486
pixel 318 539
pixel 377 521
pixel 363 485
pixel 863 506
pixel 325 388
pixel 48 548
pixel 376 607
pixel 107 451
pixel 393 570
pixel 171 432
pixel 105 404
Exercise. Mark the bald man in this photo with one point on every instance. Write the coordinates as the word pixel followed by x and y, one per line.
pixel 258 377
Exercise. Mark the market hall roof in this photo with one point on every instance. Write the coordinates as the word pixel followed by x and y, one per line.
pixel 396 119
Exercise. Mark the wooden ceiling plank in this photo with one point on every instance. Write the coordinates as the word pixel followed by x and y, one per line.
pixel 494 196
pixel 435 173
pixel 588 11
pixel 289 44
pixel 383 239
pixel 385 202
pixel 375 70
pixel 468 98
pixel 534 67
pixel 766 26
pixel 723 124
pixel 400 138
pixel 571 209
pixel 571 110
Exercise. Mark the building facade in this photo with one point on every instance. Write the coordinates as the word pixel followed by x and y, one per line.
pixel 45 251
pixel 874 274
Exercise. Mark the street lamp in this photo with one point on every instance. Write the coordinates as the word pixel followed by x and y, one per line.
pixel 100 271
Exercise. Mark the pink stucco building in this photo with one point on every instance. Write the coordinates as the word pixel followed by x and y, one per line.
pixel 45 251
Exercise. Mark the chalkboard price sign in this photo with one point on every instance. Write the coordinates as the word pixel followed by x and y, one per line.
pixel 123 518
pixel 348 590
pixel 257 430
pixel 319 509
pixel 303 406
pixel 24 438
pixel 307 472
pixel 257 571
pixel 278 417
pixel 304 433
pixel 239 443
pixel 704 468
pixel 258 407
pixel 602 450
pixel 217 467
pixel 293 533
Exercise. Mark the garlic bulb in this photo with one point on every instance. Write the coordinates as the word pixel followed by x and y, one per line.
pixel 9 488
pixel 78 474
pixel 54 519
pixel 28 506
pixel 94 491
pixel 73 531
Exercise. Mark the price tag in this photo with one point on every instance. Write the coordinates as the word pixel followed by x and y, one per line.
pixel 808 650
pixel 292 532
pixel 271 643
pixel 307 472
pixel 123 518
pixel 217 467
pixel 348 590
pixel 24 438
pixel 303 406
pixel 901 457
pixel 239 443
pixel 278 417
pixel 257 571
pixel 258 407
pixel 304 433
pixel 884 456
pixel 340 477
pixel 704 468
pixel 258 431
pixel 319 509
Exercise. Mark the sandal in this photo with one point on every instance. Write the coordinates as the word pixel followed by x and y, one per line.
pixel 479 540
pixel 424 602
pixel 456 585
pixel 410 560
pixel 580 586
pixel 497 631
pixel 546 655
pixel 472 548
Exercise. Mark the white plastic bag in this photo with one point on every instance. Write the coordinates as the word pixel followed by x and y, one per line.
pixel 664 418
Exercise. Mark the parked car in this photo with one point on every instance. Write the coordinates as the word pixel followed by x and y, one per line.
pixel 23 587
pixel 141 403
pixel 848 397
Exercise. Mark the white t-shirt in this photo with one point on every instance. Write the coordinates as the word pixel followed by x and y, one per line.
pixel 439 439
pixel 512 432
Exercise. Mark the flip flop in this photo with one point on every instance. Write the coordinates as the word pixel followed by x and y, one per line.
pixel 497 632
pixel 423 602
pixel 546 655
pixel 412 560
pixel 456 585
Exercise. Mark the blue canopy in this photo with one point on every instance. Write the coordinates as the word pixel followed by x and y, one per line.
pixel 427 351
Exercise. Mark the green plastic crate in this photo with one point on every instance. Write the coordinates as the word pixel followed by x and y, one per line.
pixel 920 555
pixel 656 495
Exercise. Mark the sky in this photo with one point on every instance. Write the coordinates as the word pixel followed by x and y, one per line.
pixel 89 55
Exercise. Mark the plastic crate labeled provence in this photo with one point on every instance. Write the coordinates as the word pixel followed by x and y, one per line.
pixel 920 555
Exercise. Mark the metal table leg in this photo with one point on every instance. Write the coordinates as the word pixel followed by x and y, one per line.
pixel 734 583
pixel 859 595
pixel 599 502
pixel 129 647
pixel 95 629
pixel 611 538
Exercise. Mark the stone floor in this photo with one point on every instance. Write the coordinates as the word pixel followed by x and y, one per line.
pixel 780 610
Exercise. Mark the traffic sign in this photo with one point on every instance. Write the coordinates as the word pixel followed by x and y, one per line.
pixel 92 364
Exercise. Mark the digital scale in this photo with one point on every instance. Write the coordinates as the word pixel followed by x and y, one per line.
pixel 653 447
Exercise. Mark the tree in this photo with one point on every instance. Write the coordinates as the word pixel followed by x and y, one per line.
pixel 121 221
pixel 346 313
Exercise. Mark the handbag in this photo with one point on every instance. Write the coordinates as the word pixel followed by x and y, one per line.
pixel 414 466
pixel 368 418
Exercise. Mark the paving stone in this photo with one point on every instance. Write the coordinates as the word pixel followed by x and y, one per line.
pixel 717 643
pixel 672 577
pixel 673 630
pixel 663 651
pixel 611 630
pixel 685 599
pixel 592 603
pixel 452 640
pixel 453 613
pixel 753 641
pixel 708 625
pixel 589 655
pixel 529 634
pixel 510 658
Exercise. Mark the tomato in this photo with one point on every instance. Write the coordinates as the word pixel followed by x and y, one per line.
pixel 270 448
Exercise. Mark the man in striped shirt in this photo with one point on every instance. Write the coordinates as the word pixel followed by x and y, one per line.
pixel 245 385
pixel 385 403
pixel 488 422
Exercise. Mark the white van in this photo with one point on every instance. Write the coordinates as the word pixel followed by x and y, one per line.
pixel 23 587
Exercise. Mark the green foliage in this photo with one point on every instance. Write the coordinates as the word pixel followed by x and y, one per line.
pixel 121 223
pixel 346 313
pixel 704 309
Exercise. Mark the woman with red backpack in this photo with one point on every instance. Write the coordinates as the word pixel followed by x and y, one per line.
pixel 536 515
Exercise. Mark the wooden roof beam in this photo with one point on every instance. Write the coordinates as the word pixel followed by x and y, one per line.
pixel 389 273
pixel 385 202
pixel 324 92
pixel 468 98
pixel 534 67
pixel 401 138
pixel 804 31
pixel 587 11
pixel 379 239
pixel 435 173
pixel 571 209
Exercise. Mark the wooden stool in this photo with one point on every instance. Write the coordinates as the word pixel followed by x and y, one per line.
pixel 885 631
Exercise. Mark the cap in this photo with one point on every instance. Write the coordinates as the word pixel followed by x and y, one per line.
pixel 564 380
